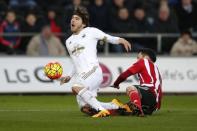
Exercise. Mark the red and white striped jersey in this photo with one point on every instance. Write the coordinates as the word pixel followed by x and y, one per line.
pixel 149 76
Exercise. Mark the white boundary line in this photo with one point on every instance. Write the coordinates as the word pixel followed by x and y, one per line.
pixel 36 110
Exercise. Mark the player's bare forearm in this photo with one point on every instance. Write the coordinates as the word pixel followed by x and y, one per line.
pixel 125 43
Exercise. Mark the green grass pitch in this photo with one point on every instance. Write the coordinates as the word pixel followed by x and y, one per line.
pixel 61 113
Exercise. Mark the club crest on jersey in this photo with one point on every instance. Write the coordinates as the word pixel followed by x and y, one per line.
pixel 77 50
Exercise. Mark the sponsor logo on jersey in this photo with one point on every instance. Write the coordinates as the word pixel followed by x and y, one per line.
pixel 78 50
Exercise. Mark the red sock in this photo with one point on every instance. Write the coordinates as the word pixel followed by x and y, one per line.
pixel 135 98
pixel 113 112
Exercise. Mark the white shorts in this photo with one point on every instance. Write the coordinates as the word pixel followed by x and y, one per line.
pixel 91 79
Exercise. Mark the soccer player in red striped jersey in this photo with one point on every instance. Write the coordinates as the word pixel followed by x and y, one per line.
pixel 146 97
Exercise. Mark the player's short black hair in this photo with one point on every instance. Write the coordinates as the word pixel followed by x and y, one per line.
pixel 151 53
pixel 83 13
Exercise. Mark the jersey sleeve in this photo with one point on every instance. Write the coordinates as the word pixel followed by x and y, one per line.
pixel 100 35
pixel 136 67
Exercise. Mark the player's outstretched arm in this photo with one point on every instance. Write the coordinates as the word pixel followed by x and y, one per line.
pixel 100 35
pixel 125 43
pixel 122 77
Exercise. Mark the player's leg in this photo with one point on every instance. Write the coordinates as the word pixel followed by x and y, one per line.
pixel 84 107
pixel 135 98
pixel 87 109
pixel 148 100
pixel 109 105
pixel 87 87
pixel 116 104
pixel 87 96
pixel 115 107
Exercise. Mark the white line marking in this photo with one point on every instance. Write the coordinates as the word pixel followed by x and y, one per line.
pixel 36 110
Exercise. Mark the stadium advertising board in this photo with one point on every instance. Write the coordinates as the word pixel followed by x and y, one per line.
pixel 25 74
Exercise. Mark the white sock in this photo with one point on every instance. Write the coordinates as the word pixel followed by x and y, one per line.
pixel 80 101
pixel 90 99
pixel 109 105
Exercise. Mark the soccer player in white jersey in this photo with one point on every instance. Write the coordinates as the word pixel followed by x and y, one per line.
pixel 81 46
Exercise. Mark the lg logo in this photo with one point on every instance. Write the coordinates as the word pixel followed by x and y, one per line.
pixel 23 76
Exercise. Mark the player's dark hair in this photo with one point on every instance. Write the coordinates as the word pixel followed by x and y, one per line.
pixel 83 13
pixel 151 53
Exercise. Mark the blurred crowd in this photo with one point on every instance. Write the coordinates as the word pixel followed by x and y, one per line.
pixel 44 21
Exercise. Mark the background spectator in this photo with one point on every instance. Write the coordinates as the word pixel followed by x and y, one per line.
pixel 24 5
pixel 99 15
pixel 30 25
pixel 173 2
pixel 70 8
pixel 46 4
pixel 142 25
pixel 166 22
pixel 184 46
pixel 145 16
pixel 54 21
pixel 45 44
pixel 187 15
pixel 9 43
pixel 122 22
pixel 114 7
pixel 3 8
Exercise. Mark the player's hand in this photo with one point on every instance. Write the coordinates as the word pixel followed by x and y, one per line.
pixel 64 79
pixel 125 43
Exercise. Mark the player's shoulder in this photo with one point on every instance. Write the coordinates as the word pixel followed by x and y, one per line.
pixel 144 60
pixel 141 60
pixel 91 29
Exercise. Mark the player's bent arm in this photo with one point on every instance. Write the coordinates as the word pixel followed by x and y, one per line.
pixel 125 43
pixel 134 69
pixel 118 40
pixel 122 77
pixel 100 35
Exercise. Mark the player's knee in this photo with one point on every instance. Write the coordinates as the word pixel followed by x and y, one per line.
pixel 75 90
pixel 130 89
